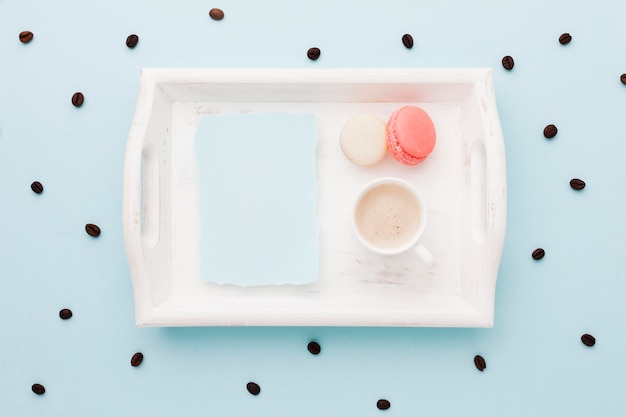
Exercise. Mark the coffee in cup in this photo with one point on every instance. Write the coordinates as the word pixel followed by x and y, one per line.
pixel 389 217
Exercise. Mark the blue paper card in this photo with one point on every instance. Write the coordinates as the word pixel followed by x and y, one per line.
pixel 258 196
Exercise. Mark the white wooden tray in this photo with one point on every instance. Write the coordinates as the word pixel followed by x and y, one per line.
pixel 463 182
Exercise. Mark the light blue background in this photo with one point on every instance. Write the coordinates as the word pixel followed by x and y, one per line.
pixel 536 364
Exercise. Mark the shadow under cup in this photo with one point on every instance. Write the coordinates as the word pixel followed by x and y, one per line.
pixel 389 216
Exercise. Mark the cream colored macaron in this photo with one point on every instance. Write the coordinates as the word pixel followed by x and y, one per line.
pixel 364 139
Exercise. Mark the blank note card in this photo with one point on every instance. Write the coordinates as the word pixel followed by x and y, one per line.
pixel 258 197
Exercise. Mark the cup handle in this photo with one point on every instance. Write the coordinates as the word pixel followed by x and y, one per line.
pixel 425 256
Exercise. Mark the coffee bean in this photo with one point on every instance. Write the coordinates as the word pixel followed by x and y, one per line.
pixel 26 36
pixel 313 53
pixel 538 254
pixel 136 359
pixel 577 184
pixel 253 388
pixel 565 38
pixel 588 340
pixel 314 348
pixel 216 14
pixel 508 63
pixel 78 99
pixel 38 389
pixel 131 41
pixel 480 363
pixel 550 131
pixel 92 230
pixel 383 404
pixel 623 78
pixel 407 40
pixel 65 314
pixel 36 187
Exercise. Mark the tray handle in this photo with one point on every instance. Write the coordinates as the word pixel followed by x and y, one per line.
pixel 150 199
pixel 142 196
pixel 478 191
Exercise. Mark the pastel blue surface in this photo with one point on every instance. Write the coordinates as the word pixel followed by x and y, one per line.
pixel 258 198
pixel 536 364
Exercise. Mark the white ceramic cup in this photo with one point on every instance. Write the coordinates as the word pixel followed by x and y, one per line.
pixel 389 217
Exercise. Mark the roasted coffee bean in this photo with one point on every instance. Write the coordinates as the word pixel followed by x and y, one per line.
pixel 314 348
pixel 550 131
pixel 216 14
pixel 78 99
pixel 313 53
pixel 253 388
pixel 383 404
pixel 131 41
pixel 136 359
pixel 538 254
pixel 26 36
pixel 623 78
pixel 588 340
pixel 508 63
pixel 407 40
pixel 92 230
pixel 65 314
pixel 565 38
pixel 38 389
pixel 37 187
pixel 577 184
pixel 480 363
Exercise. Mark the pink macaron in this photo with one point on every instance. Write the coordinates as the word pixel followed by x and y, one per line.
pixel 411 135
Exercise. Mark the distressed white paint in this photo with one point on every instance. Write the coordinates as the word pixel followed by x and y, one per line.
pixel 463 183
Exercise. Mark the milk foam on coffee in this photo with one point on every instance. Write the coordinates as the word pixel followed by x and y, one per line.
pixel 388 216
